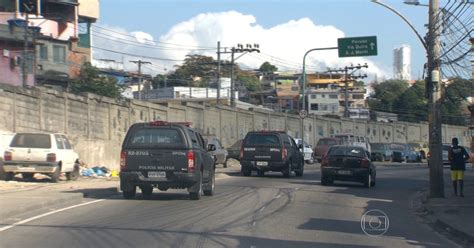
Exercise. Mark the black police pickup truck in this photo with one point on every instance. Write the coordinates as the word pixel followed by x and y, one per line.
pixel 263 151
pixel 166 155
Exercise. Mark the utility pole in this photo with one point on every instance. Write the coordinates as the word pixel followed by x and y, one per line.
pixel 24 59
pixel 240 49
pixel 140 63
pixel 433 80
pixel 218 73
pixel 348 77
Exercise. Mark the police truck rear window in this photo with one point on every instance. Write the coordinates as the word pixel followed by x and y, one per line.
pixel 156 136
pixel 262 140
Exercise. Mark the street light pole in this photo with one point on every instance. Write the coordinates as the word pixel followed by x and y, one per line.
pixel 303 85
pixel 433 48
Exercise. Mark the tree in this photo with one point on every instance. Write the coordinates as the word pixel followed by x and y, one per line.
pixel 195 71
pixel 359 84
pixel 385 94
pixel 267 68
pixel 250 81
pixel 158 81
pixel 90 80
pixel 412 105
pixel 455 99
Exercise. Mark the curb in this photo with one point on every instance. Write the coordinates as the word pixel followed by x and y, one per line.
pixel 456 234
pixel 418 205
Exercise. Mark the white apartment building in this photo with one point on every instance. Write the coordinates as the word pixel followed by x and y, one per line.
pixel 402 62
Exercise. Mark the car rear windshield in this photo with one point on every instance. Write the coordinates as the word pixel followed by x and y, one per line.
pixel 156 137
pixel 31 140
pixel 377 146
pixel 397 147
pixel 262 140
pixel 327 142
pixel 346 151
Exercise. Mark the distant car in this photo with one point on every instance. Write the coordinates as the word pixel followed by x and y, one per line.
pixel 381 152
pixel 308 151
pixel 420 147
pixel 5 139
pixel 264 151
pixel 45 153
pixel 234 150
pixel 348 163
pixel 404 153
pixel 220 154
pixel 323 146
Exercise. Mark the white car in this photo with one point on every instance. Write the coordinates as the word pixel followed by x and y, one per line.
pixel 30 153
pixel 308 151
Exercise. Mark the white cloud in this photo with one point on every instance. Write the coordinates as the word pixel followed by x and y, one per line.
pixel 283 45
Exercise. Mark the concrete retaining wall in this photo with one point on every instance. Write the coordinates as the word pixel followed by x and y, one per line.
pixel 97 125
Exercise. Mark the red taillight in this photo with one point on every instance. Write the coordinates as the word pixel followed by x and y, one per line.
pixel 7 156
pixel 51 157
pixel 325 161
pixel 284 153
pixel 123 160
pixel 191 166
pixel 365 163
pixel 241 153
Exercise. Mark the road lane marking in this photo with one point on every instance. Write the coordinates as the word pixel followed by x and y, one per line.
pixel 47 214
pixel 261 209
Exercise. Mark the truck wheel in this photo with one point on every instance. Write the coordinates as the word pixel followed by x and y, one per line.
pixel 195 191
pixel 209 187
pixel 55 175
pixel 299 173
pixel 226 163
pixel 28 176
pixel 368 180
pixel 287 171
pixel 6 176
pixel 130 194
pixel 74 174
pixel 147 191
pixel 246 172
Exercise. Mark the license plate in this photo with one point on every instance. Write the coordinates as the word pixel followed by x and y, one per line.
pixel 262 163
pixel 344 172
pixel 156 174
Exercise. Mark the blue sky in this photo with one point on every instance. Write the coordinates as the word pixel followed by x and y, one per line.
pixel 353 17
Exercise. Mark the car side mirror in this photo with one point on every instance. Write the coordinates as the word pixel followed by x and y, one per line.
pixel 211 147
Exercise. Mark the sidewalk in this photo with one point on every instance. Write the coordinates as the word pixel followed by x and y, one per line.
pixel 452 215
pixel 19 196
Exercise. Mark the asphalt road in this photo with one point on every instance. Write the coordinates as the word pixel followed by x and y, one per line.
pixel 269 211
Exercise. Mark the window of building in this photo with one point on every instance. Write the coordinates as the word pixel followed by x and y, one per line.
pixel 333 96
pixel 43 52
pixel 294 88
pixel 59 54
pixel 314 106
pixel 357 96
pixel 313 96
pixel 323 95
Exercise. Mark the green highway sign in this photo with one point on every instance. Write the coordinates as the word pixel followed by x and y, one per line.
pixel 357 46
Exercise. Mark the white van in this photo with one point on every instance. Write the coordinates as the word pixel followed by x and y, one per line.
pixel 353 140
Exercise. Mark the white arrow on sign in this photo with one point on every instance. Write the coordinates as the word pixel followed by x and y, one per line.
pixel 372 45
